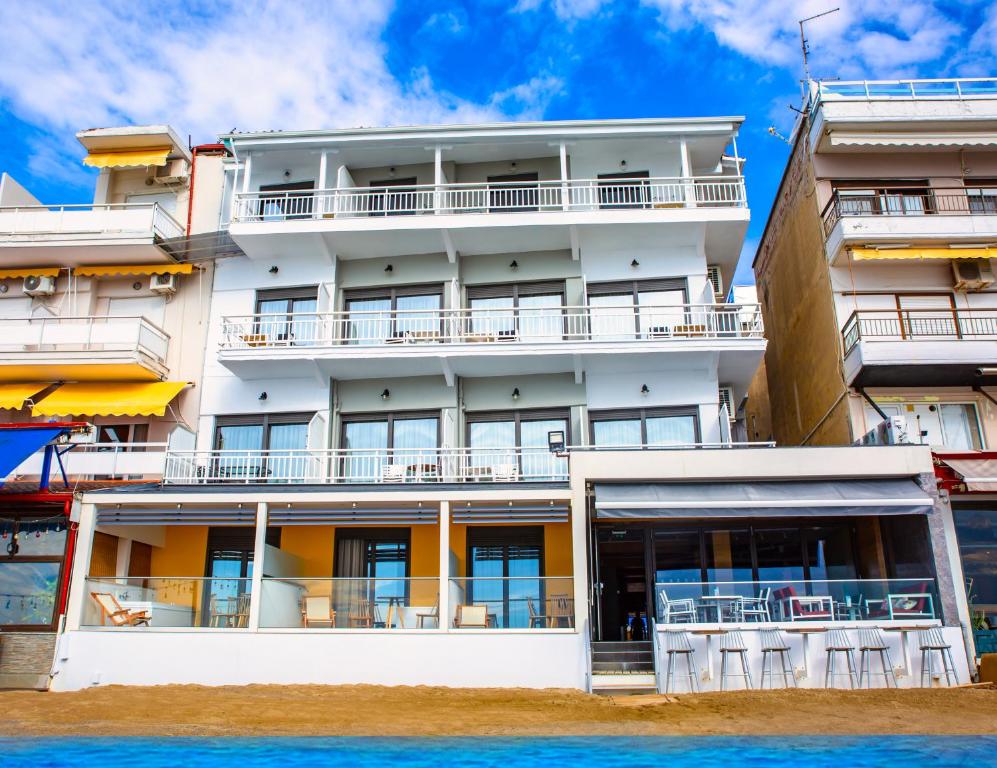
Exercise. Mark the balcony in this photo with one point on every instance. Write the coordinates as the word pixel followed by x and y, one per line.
pixel 474 218
pixel 104 461
pixel 70 235
pixel 81 349
pixel 915 214
pixel 919 347
pixel 366 344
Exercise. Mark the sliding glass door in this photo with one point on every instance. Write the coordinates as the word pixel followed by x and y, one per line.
pixel 380 315
pixel 286 316
pixel 391 447
pixel 268 448
pixel 641 309
pixel 647 427
pixel 505 566
pixel 514 443
pixel 517 312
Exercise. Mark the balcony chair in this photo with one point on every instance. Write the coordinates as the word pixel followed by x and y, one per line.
pixel 318 611
pixel 223 612
pixel 505 473
pixel 360 613
pixel 773 642
pixel 432 615
pixel 793 606
pixel 679 643
pixel 871 641
pixel 912 602
pixel 733 643
pixel 562 609
pixel 537 620
pixel 111 610
pixel 930 642
pixel 837 642
pixel 393 473
pixel 241 618
pixel 676 611
pixel 471 616
pixel 756 608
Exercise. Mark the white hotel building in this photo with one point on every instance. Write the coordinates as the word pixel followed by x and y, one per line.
pixel 416 315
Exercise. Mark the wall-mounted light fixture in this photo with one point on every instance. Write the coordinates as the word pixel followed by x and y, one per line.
pixel 513 265
pixel 274 269
pixel 386 394
pixel 389 268
pixel 635 263
pixel 391 172
pixel 623 165
pixel 287 173
pixel 512 165
pixel 515 393
pixel 645 391
pixel 263 396
pixel 137 285
pixel 4 287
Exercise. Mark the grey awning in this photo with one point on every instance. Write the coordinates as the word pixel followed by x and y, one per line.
pixel 831 498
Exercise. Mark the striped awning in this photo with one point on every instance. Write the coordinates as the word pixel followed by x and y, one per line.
pixel 177 514
pixel 865 254
pixel 140 158
pixel 109 398
pixel 21 272
pixel 293 514
pixel 113 270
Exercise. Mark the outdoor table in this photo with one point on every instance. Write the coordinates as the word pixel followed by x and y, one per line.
pixel 718 603
pixel 806 632
pixel 904 645
pixel 709 633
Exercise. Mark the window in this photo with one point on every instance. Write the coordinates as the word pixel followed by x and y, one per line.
pixel 954 426
pixel 523 311
pixel 495 436
pixel 376 315
pixel 512 192
pixel 32 547
pixel 645 427
pixel 899 198
pixel 976 531
pixel 270 448
pixel 287 315
pixel 644 309
pixel 392 446
pixel 286 201
pixel 982 196
pixel 395 197
pixel 505 569
pixel 229 569
pixel 624 190
pixel 375 564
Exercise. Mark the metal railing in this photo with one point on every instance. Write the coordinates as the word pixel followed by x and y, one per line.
pixel 919 325
pixel 492 326
pixel 359 465
pixel 492 197
pixel 796 600
pixel 87 334
pixel 350 603
pixel 910 201
pixel 514 602
pixel 870 90
pixel 167 601
pixel 89 218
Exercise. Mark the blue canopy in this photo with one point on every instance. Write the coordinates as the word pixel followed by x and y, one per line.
pixel 18 443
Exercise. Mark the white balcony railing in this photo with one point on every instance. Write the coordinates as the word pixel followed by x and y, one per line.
pixel 138 219
pixel 84 334
pixel 492 197
pixel 425 465
pixel 103 461
pixel 874 90
pixel 492 326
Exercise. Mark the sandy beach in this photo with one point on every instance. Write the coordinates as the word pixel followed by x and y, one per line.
pixel 422 711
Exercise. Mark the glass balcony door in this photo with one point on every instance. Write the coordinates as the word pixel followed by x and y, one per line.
pixel 653 427
pixel 391 447
pixel 286 315
pixel 505 566
pixel 517 312
pixel 640 309
pixel 511 443
pixel 380 315
pixel 266 448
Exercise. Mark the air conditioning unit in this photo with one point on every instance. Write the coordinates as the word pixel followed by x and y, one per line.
pixel 713 275
pixel 173 173
pixel 972 274
pixel 727 398
pixel 35 285
pixel 163 283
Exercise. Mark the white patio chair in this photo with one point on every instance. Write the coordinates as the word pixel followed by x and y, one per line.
pixel 505 473
pixel 393 473
pixel 676 611
pixel 756 608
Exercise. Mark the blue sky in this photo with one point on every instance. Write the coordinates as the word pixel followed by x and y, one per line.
pixel 207 67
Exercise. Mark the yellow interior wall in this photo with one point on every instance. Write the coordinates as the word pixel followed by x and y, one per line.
pixel 557 548
pixel 183 555
pixel 313 544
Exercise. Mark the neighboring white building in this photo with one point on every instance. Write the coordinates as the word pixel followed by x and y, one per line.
pixel 417 316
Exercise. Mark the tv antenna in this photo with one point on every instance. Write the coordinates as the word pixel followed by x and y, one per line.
pixel 804 41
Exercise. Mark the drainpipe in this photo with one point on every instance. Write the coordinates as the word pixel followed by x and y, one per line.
pixel 200 148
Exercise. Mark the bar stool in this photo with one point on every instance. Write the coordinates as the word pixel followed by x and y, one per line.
pixel 837 642
pixel 680 643
pixel 773 642
pixel 931 640
pixel 733 642
pixel 871 641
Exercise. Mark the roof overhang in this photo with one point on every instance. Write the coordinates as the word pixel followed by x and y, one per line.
pixel 133 138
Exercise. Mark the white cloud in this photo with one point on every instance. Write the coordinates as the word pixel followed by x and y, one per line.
pixel 872 39
pixel 207 67
pixel 566 10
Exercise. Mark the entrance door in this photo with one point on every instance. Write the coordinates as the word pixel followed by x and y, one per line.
pixel 622 591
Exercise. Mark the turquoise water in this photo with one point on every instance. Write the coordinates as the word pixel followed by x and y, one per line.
pixel 661 752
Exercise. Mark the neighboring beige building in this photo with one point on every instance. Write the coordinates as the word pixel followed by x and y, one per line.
pixel 876 271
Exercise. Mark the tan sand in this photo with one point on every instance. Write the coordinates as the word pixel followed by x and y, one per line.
pixel 380 711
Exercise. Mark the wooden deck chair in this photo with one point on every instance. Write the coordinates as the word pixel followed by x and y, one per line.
pixel 471 616
pixel 433 615
pixel 360 614
pixel 562 610
pixel 317 611
pixel 537 620
pixel 111 610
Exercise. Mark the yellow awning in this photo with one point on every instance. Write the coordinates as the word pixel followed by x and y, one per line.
pixel 111 270
pixel 862 254
pixel 14 395
pixel 135 159
pixel 29 272
pixel 108 398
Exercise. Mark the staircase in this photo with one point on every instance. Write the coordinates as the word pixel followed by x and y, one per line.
pixel 622 668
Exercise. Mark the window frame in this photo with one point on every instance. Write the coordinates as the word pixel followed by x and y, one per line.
pixel 265 420
pixel 391 417
pixel 29 516
pixel 620 288
pixel 643 414
pixel 519 416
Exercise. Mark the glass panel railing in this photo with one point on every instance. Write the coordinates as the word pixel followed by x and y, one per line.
pixel 343 603
pixel 138 602
pixel 516 602
pixel 796 600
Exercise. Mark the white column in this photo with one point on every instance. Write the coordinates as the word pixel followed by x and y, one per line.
pixel 690 189
pixel 579 555
pixel 565 189
pixel 247 170
pixel 78 592
pixel 438 180
pixel 124 556
pixel 444 611
pixel 259 553
pixel 323 183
